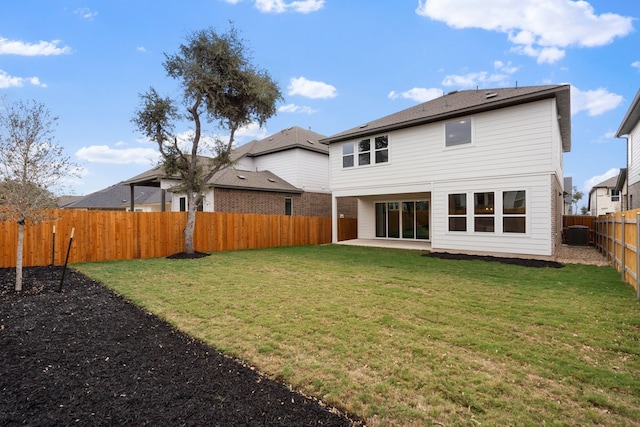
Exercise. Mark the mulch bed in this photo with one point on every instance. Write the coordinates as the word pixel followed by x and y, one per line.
pixel 536 263
pixel 87 357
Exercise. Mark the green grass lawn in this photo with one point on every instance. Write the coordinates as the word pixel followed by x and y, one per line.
pixel 397 338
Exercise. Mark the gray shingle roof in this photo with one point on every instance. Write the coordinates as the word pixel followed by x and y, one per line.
pixel 459 103
pixel 247 180
pixel 118 197
pixel 286 139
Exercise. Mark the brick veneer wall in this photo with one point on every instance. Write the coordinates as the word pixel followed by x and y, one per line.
pixel 271 203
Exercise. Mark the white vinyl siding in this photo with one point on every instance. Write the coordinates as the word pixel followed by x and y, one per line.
pixel 304 169
pixel 510 141
pixel 633 174
pixel 536 239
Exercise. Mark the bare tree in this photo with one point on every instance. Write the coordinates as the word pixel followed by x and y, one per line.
pixel 31 164
pixel 576 196
pixel 221 86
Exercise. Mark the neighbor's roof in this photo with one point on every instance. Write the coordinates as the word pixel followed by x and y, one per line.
pixel 286 139
pixel 459 103
pixel 248 180
pixel 117 197
pixel 631 119
pixel 607 183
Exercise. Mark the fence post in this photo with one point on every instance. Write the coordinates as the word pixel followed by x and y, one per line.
pixel 624 248
pixel 637 256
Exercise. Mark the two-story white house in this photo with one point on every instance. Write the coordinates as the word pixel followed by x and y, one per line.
pixel 605 198
pixel 474 171
pixel 630 129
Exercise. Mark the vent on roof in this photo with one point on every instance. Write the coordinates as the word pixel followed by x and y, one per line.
pixel 242 177
pixel 452 92
pixel 309 141
pixel 364 125
pixel 489 95
pixel 271 180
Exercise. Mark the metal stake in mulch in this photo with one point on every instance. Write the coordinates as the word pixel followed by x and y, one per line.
pixel 53 251
pixel 64 269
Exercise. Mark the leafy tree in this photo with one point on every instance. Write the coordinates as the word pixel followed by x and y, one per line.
pixel 220 85
pixel 583 210
pixel 31 163
pixel 576 196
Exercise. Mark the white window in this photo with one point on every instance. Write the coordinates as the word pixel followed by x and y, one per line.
pixel 457 132
pixel 347 155
pixel 490 210
pixel 458 212
pixel 514 211
pixel 615 195
pixel 366 152
pixel 484 212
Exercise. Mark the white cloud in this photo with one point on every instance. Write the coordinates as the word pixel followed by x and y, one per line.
pixel 42 48
pixel 141 49
pixel 541 29
pixel 86 13
pixel 105 154
pixel 293 108
pixel 636 64
pixel 500 77
pixel 418 94
pixel 588 184
pixel 311 89
pixel 594 102
pixel 7 81
pixel 281 6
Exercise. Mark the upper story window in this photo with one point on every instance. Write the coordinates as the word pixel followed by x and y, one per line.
pixel 458 132
pixel 347 155
pixel 615 195
pixel 366 152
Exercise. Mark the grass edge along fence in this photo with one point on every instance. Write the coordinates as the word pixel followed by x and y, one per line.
pixel 617 237
pixel 112 235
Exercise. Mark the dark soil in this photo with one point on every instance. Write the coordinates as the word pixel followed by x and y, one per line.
pixel 185 255
pixel 87 357
pixel 536 263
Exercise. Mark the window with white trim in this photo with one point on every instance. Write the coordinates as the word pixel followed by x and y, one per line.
pixel 367 151
pixel 457 132
pixel 347 155
pixel 458 212
pixel 483 212
pixel 493 212
pixel 514 211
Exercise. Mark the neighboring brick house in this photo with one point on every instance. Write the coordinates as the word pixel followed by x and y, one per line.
pixel 286 173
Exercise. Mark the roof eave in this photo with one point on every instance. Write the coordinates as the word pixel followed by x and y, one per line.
pixel 631 118
pixel 561 93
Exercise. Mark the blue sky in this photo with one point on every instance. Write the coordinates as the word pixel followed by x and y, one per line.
pixel 338 63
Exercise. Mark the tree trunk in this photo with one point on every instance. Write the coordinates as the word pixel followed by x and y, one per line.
pixel 191 224
pixel 19 256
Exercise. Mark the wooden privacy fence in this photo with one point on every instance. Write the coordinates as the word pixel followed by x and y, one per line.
pixel 617 237
pixel 111 235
